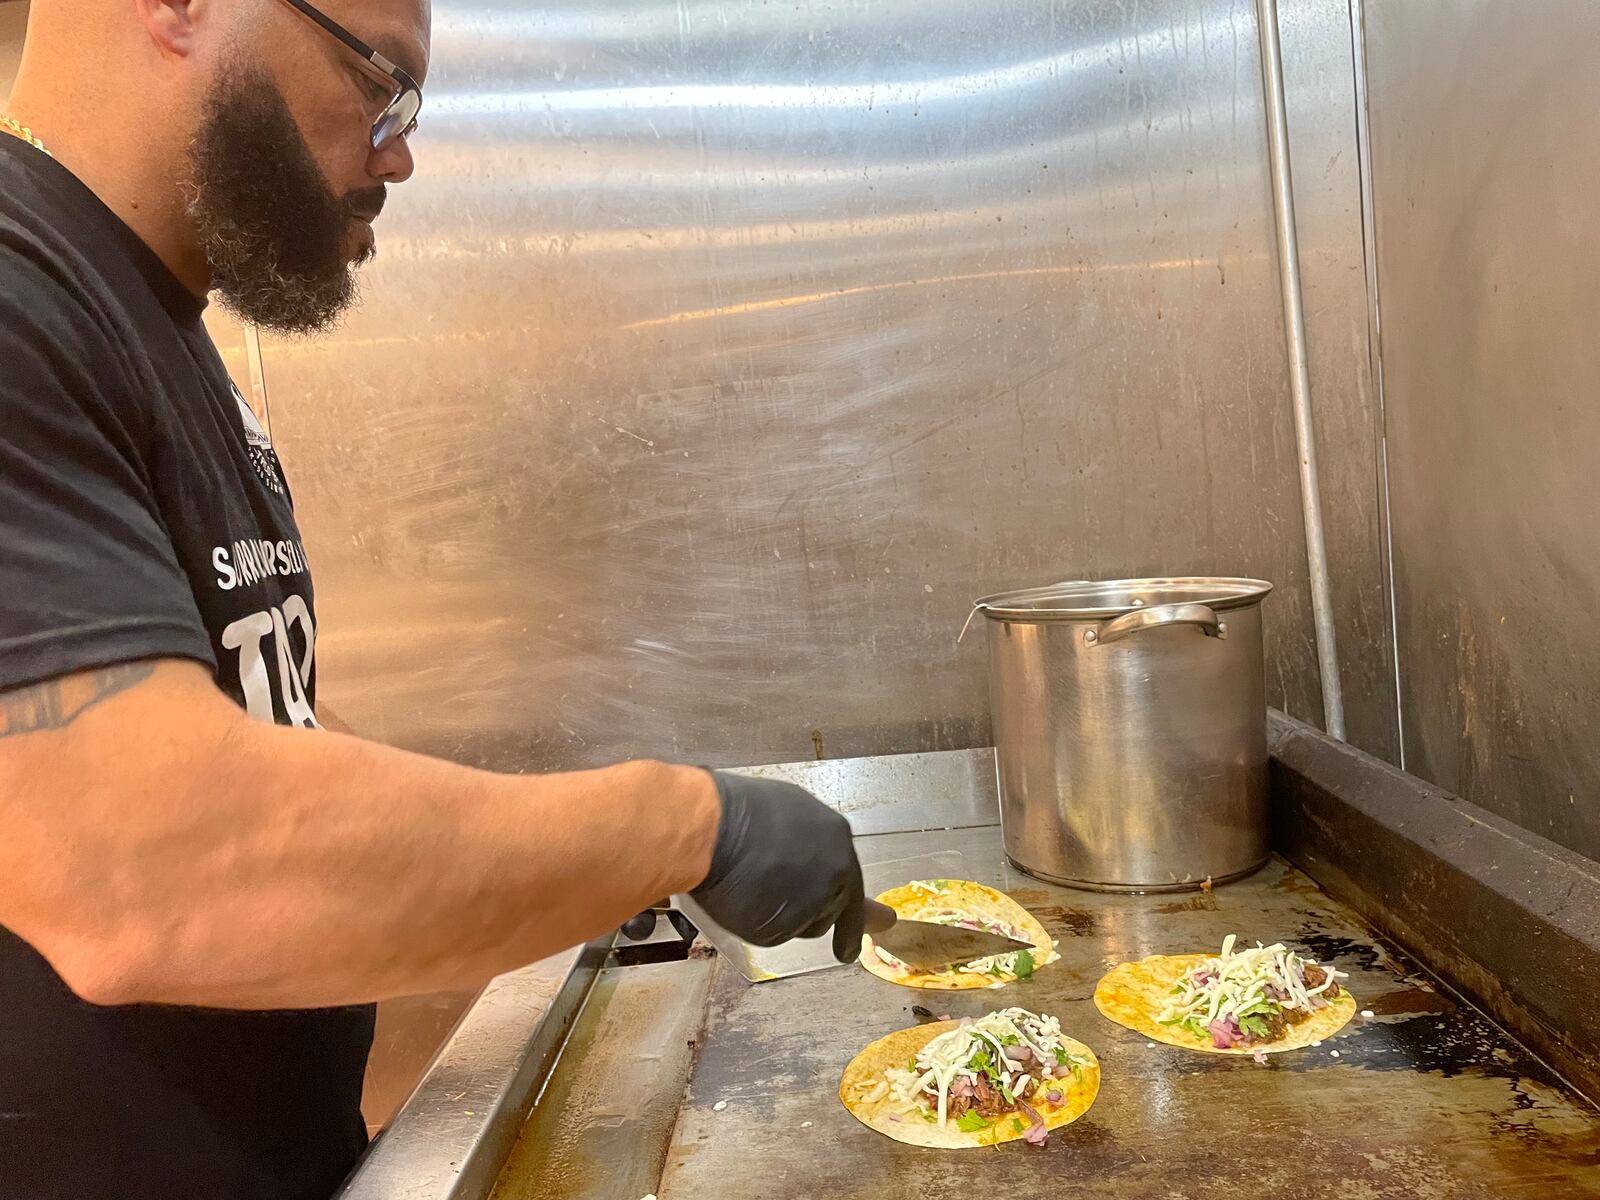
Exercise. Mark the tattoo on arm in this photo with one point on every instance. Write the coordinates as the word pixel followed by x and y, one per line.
pixel 57 703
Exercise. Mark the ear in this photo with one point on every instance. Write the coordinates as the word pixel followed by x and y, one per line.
pixel 171 24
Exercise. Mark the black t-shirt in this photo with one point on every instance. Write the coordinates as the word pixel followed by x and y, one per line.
pixel 144 514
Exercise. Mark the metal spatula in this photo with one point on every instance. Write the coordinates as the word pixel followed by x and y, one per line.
pixel 924 946
pixel 804 955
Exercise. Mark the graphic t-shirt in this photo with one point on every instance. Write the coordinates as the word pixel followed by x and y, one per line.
pixel 143 514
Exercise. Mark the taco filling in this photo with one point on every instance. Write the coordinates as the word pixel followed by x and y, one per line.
pixel 933 901
pixel 1243 998
pixel 993 1069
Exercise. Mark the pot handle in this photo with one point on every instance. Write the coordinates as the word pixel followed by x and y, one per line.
pixel 1198 615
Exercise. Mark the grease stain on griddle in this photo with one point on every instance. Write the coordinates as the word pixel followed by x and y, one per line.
pixel 1204 902
pixel 1452 1044
pixel 1057 918
pixel 1299 883
pixel 1409 1002
pixel 1074 922
pixel 1326 948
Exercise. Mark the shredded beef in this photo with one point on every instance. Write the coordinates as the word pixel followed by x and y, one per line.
pixel 1316 976
pixel 1278 1023
pixel 988 1100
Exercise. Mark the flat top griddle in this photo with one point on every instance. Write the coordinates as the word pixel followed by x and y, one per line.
pixel 573 1079
pixel 1425 1099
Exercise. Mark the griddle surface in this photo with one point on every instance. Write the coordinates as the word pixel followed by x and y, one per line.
pixel 1427 1099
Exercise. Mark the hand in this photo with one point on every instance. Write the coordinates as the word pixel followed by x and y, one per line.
pixel 784 866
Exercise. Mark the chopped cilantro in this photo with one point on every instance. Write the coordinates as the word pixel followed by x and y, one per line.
pixel 1010 1039
pixel 1061 1057
pixel 1024 964
pixel 1254 1025
pixel 970 1122
pixel 1017 1125
pixel 1006 1092
pixel 912 1066
pixel 929 1117
pixel 939 884
pixel 981 1060
pixel 1077 1072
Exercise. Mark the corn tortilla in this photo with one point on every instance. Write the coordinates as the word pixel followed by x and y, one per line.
pixel 969 898
pixel 1134 994
pixel 867 1068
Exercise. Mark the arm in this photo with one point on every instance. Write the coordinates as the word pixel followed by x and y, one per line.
pixel 158 846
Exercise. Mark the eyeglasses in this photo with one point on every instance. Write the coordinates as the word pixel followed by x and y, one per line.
pixel 399 117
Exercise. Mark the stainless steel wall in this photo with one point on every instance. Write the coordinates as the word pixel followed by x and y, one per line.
pixel 718 357
pixel 722 353
pixel 1485 169
pixel 13 20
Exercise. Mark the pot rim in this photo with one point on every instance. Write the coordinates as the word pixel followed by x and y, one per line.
pixel 1088 599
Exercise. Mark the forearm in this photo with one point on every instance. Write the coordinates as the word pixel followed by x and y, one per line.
pixel 252 866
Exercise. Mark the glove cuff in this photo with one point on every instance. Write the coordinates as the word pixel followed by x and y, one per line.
pixel 730 833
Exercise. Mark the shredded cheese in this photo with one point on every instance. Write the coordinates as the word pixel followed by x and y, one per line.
pixel 1234 985
pixel 949 1057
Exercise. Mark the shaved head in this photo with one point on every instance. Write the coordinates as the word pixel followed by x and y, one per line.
pixel 234 136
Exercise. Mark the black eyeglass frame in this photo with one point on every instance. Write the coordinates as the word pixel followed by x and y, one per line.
pixel 407 101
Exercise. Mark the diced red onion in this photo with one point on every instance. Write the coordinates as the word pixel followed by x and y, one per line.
pixel 1053 1096
pixel 1038 1131
pixel 1225 1034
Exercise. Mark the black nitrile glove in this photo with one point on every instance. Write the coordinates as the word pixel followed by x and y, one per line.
pixel 784 867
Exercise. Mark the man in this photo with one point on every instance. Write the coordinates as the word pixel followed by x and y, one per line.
pixel 197 908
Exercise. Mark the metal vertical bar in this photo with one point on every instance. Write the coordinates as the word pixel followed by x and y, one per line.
pixel 1299 375
pixel 1369 240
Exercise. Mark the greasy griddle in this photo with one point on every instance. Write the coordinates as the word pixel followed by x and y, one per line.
pixel 1427 1099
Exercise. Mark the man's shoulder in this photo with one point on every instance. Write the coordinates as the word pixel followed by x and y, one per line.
pixel 53 262
pixel 47 310
pixel 62 339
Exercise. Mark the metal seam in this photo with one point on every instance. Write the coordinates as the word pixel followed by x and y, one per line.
pixel 258 375
pixel 1299 373
pixel 1369 246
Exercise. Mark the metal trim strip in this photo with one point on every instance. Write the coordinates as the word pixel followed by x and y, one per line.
pixel 449 1140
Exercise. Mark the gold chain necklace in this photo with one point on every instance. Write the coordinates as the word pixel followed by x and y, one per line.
pixel 23 132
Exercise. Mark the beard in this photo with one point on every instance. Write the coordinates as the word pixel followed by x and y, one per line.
pixel 273 230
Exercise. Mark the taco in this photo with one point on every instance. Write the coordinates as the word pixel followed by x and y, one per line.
pixel 1252 1001
pixel 961 902
pixel 975 1082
